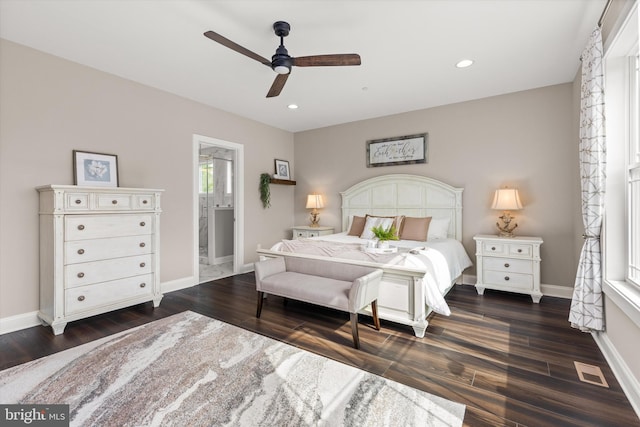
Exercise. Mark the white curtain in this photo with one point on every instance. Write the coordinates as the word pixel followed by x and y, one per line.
pixel 586 306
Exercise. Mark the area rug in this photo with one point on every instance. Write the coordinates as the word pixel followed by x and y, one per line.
pixel 191 370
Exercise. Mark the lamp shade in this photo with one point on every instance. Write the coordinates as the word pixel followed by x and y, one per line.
pixel 506 199
pixel 314 201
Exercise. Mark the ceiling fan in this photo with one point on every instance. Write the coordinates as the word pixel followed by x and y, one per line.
pixel 281 62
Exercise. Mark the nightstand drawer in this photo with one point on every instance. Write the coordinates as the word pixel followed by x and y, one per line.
pixel 495 248
pixel 507 279
pixel 509 265
pixel 520 250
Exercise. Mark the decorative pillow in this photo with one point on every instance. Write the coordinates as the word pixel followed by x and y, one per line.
pixel 397 222
pixel 415 228
pixel 357 226
pixel 375 221
pixel 438 228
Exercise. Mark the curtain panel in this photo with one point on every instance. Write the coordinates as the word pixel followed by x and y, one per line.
pixel 586 311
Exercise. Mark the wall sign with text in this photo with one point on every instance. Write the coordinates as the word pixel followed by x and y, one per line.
pixel 402 150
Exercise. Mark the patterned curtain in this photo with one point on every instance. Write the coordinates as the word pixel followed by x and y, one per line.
pixel 586 306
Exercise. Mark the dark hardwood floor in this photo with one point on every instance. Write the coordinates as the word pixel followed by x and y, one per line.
pixel 509 360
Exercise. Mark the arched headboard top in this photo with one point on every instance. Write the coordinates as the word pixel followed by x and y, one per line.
pixel 403 194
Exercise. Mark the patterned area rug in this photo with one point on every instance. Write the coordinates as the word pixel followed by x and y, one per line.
pixel 191 370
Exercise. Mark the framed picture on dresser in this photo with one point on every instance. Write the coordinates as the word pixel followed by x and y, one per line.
pixel 95 169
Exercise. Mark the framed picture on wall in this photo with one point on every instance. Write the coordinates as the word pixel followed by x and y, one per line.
pixel 282 169
pixel 401 150
pixel 95 169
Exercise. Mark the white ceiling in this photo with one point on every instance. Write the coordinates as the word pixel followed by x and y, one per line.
pixel 408 49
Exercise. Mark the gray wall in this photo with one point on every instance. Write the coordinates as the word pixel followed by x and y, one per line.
pixel 50 106
pixel 526 140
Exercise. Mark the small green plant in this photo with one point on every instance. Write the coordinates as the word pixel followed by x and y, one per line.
pixel 265 192
pixel 383 234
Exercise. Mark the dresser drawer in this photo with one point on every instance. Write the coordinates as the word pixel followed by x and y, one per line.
pixel 113 201
pixel 77 251
pixel 143 201
pixel 87 273
pixel 508 279
pixel 89 297
pixel 508 265
pixel 76 201
pixel 80 227
pixel 495 248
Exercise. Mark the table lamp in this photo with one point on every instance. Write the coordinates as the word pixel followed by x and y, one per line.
pixel 314 202
pixel 506 200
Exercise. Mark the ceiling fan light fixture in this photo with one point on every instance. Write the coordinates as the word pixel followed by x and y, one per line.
pixel 282 69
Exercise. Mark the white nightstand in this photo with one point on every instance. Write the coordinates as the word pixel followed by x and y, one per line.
pixel 508 264
pixel 305 231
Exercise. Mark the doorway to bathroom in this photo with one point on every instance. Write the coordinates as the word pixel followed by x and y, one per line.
pixel 217 188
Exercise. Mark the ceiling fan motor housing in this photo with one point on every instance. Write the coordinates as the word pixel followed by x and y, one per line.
pixel 281 62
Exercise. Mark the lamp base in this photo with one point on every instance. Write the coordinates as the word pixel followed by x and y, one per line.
pixel 315 219
pixel 506 230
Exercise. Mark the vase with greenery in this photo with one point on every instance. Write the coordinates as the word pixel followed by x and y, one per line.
pixel 265 193
pixel 384 235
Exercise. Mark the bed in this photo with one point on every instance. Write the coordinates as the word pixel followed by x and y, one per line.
pixel 416 277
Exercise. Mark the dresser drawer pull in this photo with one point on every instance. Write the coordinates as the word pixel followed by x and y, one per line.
pixel 519 250
pixel 81 227
pixel 506 278
pixel 142 224
pixel 142 245
pixel 81 275
pixel 142 285
pixel 80 251
pixel 78 201
pixel 142 264
pixel 493 248
pixel 506 264
pixel 144 202
pixel 115 202
pixel 81 298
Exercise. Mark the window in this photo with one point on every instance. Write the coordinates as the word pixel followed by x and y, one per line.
pixel 633 172
pixel 205 181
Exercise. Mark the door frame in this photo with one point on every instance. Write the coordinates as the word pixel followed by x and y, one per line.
pixel 238 201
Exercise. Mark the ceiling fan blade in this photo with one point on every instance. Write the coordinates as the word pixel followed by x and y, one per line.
pixel 327 60
pixel 277 85
pixel 235 46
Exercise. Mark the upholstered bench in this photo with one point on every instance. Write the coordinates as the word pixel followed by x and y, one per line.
pixel 339 286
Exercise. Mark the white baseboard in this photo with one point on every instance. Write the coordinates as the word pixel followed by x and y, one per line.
pixel 176 285
pixel 18 322
pixel 628 382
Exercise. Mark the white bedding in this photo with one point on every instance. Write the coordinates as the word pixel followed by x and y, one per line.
pixel 442 260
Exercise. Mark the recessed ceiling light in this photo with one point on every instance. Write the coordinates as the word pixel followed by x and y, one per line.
pixel 464 63
pixel 292 106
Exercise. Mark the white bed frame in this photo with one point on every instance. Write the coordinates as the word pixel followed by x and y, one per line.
pixel 401 299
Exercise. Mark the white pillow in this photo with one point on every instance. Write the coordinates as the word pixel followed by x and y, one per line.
pixel 375 221
pixel 438 228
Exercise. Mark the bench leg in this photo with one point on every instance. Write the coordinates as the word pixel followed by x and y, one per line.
pixel 354 329
pixel 374 313
pixel 260 298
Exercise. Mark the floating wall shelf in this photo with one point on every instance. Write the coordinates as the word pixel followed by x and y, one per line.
pixel 282 181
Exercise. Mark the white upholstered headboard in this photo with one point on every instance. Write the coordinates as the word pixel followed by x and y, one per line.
pixel 400 194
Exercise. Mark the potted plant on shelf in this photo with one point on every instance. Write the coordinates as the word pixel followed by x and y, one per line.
pixel 384 235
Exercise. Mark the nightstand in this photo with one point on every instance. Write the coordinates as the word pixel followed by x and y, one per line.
pixel 305 231
pixel 508 264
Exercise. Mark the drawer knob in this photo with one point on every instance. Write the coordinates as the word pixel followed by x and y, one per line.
pixel 142 245
pixel 144 202
pixel 78 201
pixel 506 265
pixel 493 248
pixel 142 224
pixel 506 278
pixel 81 227
pixel 80 251
pixel 142 285
pixel 519 250
pixel 81 298
pixel 115 202
pixel 142 264
pixel 81 275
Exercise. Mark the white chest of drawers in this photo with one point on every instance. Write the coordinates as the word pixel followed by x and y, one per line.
pixel 99 251
pixel 508 264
